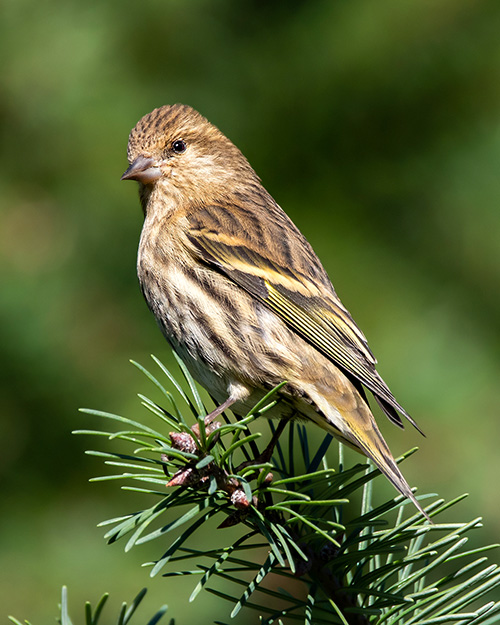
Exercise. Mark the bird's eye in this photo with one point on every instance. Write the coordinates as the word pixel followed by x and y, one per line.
pixel 179 146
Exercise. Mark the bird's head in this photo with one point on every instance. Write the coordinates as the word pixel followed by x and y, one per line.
pixel 176 150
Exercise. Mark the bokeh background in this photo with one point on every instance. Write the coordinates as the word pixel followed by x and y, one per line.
pixel 374 124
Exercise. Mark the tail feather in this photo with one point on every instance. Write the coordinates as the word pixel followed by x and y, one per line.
pixel 370 442
pixel 386 463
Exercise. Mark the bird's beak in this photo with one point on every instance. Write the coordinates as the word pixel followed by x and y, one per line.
pixel 143 169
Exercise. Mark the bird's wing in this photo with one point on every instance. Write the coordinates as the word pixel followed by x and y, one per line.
pixel 284 274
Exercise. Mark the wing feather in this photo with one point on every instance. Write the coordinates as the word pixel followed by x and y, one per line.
pixel 295 288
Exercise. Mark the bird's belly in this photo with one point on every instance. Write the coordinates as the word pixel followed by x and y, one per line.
pixel 223 335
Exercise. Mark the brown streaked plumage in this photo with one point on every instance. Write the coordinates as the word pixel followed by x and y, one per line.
pixel 240 294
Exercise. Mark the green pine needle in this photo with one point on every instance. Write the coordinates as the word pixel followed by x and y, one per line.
pixel 300 519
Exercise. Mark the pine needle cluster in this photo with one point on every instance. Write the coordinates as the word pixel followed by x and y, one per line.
pixel 304 547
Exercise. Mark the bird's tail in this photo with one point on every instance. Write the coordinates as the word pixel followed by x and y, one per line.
pixel 369 441
pixel 380 454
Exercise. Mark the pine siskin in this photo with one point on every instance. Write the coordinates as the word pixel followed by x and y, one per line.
pixel 240 294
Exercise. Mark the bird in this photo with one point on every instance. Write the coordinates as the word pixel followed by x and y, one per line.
pixel 240 295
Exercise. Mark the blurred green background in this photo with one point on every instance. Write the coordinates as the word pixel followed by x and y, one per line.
pixel 374 124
